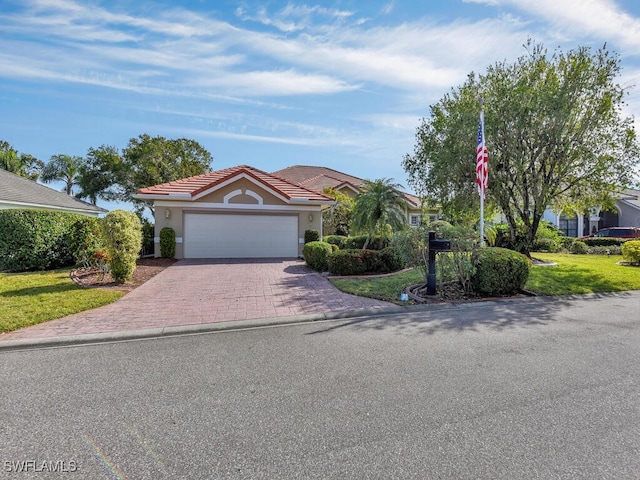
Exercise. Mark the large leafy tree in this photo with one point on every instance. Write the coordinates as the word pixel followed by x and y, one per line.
pixel 555 133
pixel 108 174
pixel 381 202
pixel 21 164
pixel 64 168
pixel 99 174
pixel 153 160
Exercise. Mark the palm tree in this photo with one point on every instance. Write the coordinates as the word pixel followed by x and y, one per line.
pixel 64 168
pixel 380 202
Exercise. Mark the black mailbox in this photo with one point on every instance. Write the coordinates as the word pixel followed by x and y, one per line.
pixel 440 245
pixel 436 245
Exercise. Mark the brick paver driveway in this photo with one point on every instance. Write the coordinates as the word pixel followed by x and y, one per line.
pixel 192 292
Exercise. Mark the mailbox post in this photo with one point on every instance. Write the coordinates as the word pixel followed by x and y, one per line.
pixel 435 246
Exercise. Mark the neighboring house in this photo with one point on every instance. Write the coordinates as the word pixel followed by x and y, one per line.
pixel 238 212
pixel 17 192
pixel 626 214
pixel 319 178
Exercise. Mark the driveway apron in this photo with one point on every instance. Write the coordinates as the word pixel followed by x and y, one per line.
pixel 192 292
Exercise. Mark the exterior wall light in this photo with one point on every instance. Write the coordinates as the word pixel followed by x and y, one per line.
pixel 310 217
pixel 167 214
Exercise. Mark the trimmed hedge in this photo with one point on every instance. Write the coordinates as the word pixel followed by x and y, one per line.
pixel 42 240
pixel 377 242
pixel 347 262
pixel 335 240
pixel 311 236
pixel 167 242
pixel 316 255
pixel 499 271
pixel 357 262
pixel 604 241
pixel 612 250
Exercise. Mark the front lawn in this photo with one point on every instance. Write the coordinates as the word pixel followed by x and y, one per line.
pixel 573 274
pixel 35 297
pixel 582 274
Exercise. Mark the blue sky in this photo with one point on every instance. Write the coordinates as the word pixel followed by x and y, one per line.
pixel 271 84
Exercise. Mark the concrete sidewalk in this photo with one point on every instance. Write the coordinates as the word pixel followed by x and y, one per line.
pixel 199 295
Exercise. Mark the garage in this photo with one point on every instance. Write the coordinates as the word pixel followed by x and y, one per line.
pixel 219 235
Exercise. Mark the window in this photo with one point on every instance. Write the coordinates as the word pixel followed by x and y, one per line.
pixel 414 220
pixel 569 225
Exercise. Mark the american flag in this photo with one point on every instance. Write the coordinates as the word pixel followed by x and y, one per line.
pixel 482 161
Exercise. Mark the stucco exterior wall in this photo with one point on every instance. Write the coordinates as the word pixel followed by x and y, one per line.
pixel 240 197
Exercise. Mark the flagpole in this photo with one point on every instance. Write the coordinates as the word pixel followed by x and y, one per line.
pixel 482 189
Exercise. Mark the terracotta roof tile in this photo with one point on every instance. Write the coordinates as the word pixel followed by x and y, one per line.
pixel 318 178
pixel 193 186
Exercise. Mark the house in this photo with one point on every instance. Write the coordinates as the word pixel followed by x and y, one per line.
pixel 19 192
pixel 319 178
pixel 626 214
pixel 237 212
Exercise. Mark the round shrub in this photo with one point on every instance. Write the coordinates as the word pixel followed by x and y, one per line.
pixel 347 262
pixel 167 242
pixel 631 251
pixel 377 242
pixel 335 240
pixel 122 232
pixel 579 248
pixel 499 271
pixel 316 254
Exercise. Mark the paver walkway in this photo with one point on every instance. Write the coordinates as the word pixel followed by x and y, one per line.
pixel 192 292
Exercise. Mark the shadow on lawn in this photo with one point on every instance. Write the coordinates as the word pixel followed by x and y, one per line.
pixel 497 315
pixel 42 290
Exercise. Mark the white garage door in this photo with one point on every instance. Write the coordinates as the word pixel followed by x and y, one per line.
pixel 240 236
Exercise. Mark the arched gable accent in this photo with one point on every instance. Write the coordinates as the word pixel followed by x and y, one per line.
pixel 242 191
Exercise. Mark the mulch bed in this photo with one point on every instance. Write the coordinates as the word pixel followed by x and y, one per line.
pixel 146 268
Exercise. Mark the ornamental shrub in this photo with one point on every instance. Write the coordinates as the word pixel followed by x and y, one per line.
pixel 631 251
pixel 122 232
pixel 601 250
pixel 378 242
pixel 335 240
pixel 167 242
pixel 311 236
pixel 347 262
pixel 604 241
pixel 38 239
pixel 499 271
pixel 86 237
pixel 391 260
pixel 578 247
pixel 316 255
pixel 548 238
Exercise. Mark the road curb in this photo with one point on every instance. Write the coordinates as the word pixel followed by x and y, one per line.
pixel 195 329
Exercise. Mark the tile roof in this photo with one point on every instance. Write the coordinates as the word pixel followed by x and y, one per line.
pixel 318 178
pixel 193 186
pixel 19 191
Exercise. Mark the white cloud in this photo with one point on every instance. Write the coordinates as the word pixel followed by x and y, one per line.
pixel 603 19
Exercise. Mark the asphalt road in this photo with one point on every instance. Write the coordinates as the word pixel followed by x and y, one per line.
pixel 533 389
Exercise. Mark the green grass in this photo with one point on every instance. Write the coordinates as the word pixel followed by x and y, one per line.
pixel 35 297
pixel 582 274
pixel 381 288
pixel 573 274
